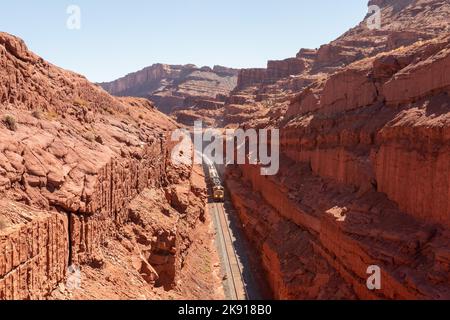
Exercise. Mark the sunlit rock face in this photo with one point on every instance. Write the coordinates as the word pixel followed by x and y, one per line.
pixel 173 87
pixel 365 179
pixel 87 182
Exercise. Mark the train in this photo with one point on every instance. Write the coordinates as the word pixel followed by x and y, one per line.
pixel 217 188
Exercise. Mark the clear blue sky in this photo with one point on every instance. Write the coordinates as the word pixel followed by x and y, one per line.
pixel 118 37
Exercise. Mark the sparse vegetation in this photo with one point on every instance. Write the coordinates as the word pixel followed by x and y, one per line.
pixel 37 114
pixel 206 264
pixel 89 136
pixel 109 110
pixel 269 104
pixel 78 102
pixel 10 122
pixel 51 115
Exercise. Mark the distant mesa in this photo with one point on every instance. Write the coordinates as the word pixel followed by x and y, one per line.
pixel 169 86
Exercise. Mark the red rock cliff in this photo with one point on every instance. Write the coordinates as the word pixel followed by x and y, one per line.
pixel 171 86
pixel 364 176
pixel 73 162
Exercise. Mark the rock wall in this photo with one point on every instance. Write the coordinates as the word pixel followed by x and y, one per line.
pixel 119 182
pixel 419 80
pixel 415 173
pixel 360 138
pixel 76 234
pixel 276 70
pixel 172 87
pixel 365 175
pixel 253 76
pixel 142 82
pixel 73 160
pixel 33 251
pixel 318 238
pixel 294 267
pixel 285 68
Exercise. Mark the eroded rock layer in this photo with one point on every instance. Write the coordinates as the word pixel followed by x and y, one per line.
pixel 176 88
pixel 76 167
pixel 364 178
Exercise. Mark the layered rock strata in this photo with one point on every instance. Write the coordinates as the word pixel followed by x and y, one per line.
pixel 73 162
pixel 365 176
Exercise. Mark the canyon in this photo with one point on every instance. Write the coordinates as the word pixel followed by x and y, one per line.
pixel 185 91
pixel 86 176
pixel 365 175
pixel 87 180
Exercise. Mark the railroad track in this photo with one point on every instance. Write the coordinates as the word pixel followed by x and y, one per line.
pixel 231 263
pixel 233 269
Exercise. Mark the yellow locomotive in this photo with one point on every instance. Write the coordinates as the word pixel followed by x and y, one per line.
pixel 217 188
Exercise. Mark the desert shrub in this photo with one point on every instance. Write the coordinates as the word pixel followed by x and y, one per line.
pixel 51 115
pixel 10 122
pixel 78 102
pixel 37 114
pixel 109 111
pixel 89 136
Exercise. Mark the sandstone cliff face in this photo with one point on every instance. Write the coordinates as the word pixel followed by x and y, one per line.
pixel 365 175
pixel 144 82
pixel 171 87
pixel 403 23
pixel 275 71
pixel 317 238
pixel 33 251
pixel 408 119
pixel 73 162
